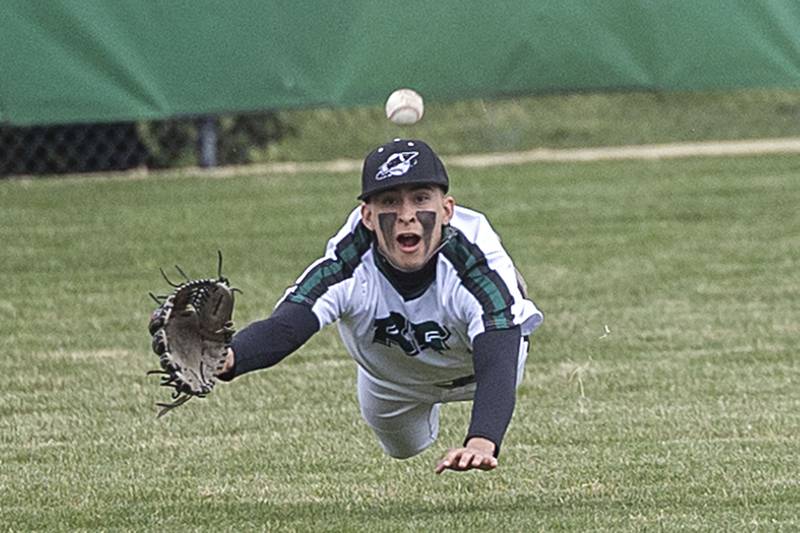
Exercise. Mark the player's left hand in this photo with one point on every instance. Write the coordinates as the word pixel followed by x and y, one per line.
pixel 477 454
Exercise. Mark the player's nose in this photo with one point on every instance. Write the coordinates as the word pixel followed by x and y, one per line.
pixel 407 212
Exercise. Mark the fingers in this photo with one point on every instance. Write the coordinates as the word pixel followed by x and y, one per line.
pixel 461 459
pixel 446 462
pixel 227 366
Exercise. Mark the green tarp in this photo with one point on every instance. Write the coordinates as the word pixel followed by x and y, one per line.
pixel 109 60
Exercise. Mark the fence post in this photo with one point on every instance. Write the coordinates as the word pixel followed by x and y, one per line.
pixel 207 141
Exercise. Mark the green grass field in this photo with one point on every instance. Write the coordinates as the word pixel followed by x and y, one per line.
pixel 685 417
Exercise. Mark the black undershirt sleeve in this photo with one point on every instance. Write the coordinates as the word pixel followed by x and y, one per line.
pixel 265 343
pixel 495 355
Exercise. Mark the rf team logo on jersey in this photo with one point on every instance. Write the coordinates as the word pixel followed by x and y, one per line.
pixel 397 165
pixel 397 330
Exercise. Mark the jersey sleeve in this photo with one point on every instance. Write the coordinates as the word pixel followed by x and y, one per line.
pixel 495 359
pixel 488 296
pixel 325 286
pixel 264 343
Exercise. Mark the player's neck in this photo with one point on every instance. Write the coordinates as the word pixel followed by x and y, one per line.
pixel 410 285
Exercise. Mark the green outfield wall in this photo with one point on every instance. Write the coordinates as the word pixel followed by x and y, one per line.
pixel 65 61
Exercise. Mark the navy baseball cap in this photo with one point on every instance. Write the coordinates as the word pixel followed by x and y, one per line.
pixel 401 162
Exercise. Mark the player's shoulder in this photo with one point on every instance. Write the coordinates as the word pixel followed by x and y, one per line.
pixel 353 218
pixel 468 220
pixel 348 230
pixel 474 226
pixel 465 218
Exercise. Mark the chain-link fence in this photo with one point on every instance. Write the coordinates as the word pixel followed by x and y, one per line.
pixel 204 141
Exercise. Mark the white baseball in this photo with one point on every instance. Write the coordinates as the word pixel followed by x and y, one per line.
pixel 404 107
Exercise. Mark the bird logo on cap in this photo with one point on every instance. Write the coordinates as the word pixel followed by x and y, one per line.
pixel 398 164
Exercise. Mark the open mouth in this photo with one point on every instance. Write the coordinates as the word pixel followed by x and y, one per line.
pixel 408 241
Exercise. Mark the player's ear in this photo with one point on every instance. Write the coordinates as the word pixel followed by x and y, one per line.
pixel 448 204
pixel 367 216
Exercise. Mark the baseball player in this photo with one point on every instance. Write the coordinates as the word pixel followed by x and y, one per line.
pixel 427 302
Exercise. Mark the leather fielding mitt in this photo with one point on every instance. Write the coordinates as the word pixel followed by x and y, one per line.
pixel 191 331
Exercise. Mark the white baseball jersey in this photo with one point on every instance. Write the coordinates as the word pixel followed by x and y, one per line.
pixel 426 340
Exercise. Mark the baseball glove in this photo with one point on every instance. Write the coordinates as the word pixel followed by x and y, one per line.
pixel 191 330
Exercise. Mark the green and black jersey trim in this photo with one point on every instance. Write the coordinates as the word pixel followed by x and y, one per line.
pixel 332 271
pixel 482 282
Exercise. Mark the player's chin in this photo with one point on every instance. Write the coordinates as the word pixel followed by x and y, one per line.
pixel 410 263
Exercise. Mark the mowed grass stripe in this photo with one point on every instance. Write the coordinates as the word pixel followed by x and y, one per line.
pixel 683 416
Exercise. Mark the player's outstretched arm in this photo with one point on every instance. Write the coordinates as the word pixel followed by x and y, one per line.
pixel 265 343
pixel 478 453
pixel 495 356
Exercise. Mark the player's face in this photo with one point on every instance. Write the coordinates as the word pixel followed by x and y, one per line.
pixel 407 222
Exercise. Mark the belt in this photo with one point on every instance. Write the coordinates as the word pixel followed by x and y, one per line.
pixel 460 382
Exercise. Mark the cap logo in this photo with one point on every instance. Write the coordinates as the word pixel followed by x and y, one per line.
pixel 398 164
